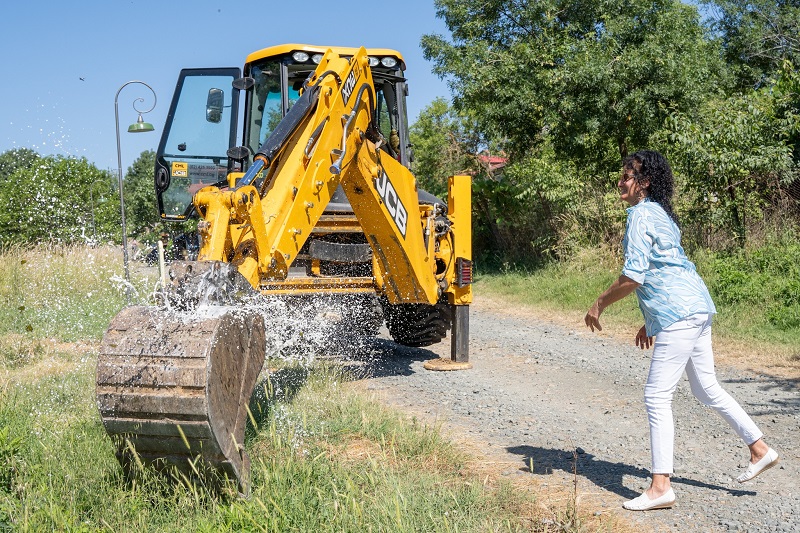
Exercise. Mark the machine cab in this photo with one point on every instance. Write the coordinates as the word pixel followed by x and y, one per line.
pixel 197 145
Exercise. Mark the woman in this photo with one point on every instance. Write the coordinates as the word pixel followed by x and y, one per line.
pixel 677 311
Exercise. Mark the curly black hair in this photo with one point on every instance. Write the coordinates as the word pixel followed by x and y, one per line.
pixel 649 165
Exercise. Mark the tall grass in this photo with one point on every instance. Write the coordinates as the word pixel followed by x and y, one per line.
pixel 563 289
pixel 324 456
pixel 62 292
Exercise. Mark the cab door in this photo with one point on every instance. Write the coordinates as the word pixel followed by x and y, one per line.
pixel 200 128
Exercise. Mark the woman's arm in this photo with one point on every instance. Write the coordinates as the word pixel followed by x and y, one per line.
pixel 618 290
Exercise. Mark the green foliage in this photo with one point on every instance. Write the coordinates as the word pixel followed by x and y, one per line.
pixel 765 278
pixel 67 200
pixel 521 210
pixel 141 210
pixel 596 78
pixel 518 206
pixel 445 144
pixel 734 155
pixel 565 91
pixel 58 199
pixel 13 160
pixel 757 36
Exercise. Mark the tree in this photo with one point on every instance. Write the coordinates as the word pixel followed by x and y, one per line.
pixel 444 144
pixel 735 153
pixel 595 79
pixel 757 36
pixel 517 206
pixel 13 160
pixel 59 199
pixel 141 209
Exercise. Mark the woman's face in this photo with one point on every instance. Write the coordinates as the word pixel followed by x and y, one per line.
pixel 629 189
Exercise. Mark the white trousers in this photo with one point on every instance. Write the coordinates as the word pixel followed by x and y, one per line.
pixel 686 345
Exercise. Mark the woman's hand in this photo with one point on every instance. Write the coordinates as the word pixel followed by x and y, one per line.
pixel 618 290
pixel 642 340
pixel 592 317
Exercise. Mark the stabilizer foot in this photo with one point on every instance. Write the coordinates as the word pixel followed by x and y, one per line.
pixel 443 364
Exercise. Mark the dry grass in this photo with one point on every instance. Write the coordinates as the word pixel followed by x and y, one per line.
pixel 24 360
pixel 540 505
pixel 755 356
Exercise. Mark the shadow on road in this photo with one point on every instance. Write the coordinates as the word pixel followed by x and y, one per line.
pixel 604 474
pixel 766 384
pixel 381 358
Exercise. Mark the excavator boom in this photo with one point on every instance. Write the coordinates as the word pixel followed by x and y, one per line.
pixel 326 205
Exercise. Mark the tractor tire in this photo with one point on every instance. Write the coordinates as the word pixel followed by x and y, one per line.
pixel 417 325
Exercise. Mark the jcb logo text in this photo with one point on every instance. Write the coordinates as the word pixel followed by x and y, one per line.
pixel 393 204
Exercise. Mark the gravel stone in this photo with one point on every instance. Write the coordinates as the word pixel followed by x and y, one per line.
pixel 579 410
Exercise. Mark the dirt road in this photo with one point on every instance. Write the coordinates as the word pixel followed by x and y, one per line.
pixel 541 394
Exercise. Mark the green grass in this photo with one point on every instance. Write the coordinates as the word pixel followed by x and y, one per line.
pixel 563 289
pixel 756 292
pixel 324 456
pixel 64 292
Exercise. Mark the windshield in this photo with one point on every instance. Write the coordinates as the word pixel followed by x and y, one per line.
pixel 200 129
pixel 267 105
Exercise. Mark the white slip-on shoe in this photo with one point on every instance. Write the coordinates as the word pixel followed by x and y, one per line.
pixel 644 503
pixel 769 460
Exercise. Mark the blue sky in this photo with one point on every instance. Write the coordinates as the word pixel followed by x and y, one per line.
pixel 63 61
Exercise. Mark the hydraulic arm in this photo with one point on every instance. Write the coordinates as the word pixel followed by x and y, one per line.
pixel 328 138
pixel 174 388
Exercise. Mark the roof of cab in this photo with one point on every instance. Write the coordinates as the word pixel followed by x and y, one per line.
pixel 282 49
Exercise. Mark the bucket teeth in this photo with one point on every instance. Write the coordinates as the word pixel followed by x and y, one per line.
pixel 205 282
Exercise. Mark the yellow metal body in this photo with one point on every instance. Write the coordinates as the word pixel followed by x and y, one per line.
pixel 282 49
pixel 172 414
pixel 262 231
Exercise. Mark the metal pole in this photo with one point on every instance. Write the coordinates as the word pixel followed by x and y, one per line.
pixel 119 182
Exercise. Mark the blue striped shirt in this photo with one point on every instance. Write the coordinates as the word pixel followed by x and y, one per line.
pixel 670 287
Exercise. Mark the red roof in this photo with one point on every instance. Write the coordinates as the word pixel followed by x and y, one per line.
pixel 495 162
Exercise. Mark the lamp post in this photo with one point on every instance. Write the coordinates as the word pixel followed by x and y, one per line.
pixel 139 127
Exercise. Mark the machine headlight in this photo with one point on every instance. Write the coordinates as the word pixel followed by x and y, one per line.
pixel 373 61
pixel 300 57
pixel 316 58
pixel 388 62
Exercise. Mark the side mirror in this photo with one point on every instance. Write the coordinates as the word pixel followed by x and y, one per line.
pixel 214 104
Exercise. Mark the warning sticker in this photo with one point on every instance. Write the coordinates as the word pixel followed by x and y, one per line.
pixel 180 169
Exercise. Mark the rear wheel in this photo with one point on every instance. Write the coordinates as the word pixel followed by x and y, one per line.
pixel 417 324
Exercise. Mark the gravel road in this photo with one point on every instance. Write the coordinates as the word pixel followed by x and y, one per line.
pixel 542 393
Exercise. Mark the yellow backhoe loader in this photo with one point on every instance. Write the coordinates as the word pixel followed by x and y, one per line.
pixel 317 201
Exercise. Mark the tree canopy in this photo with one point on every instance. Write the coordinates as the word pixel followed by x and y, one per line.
pixel 595 79
pixel 757 36
pixel 140 198
pixel 69 200
pixel 58 199
pixel 565 90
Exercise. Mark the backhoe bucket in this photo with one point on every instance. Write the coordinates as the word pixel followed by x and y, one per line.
pixel 173 391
